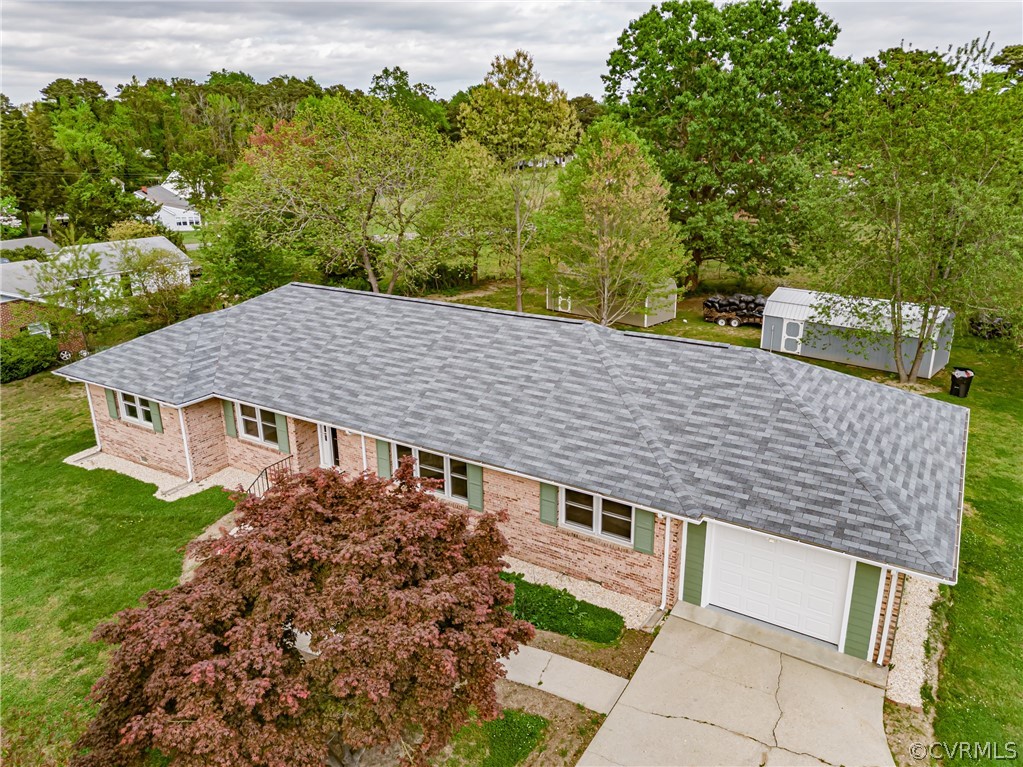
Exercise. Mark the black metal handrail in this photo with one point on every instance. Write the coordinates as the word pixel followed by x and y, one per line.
pixel 269 476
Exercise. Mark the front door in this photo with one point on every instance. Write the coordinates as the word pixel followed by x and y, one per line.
pixel 329 453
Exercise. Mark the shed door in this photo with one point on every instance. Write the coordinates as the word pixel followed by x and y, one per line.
pixel 799 588
pixel 791 336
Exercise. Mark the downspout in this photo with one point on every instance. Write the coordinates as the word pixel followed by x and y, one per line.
pixel 365 463
pixel 667 554
pixel 184 438
pixel 92 415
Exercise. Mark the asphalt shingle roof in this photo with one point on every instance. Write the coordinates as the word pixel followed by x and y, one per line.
pixel 695 429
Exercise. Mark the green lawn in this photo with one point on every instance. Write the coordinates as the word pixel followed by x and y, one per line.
pixel 77 547
pixel 980 694
pixel 556 610
pixel 502 742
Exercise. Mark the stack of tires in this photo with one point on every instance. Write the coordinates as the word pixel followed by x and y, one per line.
pixel 740 307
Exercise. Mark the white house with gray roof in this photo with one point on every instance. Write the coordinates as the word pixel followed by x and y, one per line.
pixel 175 212
pixel 662 468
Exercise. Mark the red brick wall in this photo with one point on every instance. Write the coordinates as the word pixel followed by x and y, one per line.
pixel 617 568
pixel 250 456
pixel 207 437
pixel 140 444
pixel 305 444
pixel 350 453
pixel 16 315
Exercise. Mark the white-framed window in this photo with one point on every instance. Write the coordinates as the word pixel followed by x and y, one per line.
pixel 451 471
pixel 137 410
pixel 595 514
pixel 38 329
pixel 258 425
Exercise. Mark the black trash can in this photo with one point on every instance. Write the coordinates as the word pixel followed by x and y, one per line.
pixel 961 380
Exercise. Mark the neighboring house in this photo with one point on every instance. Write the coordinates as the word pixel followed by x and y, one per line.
pixel 41 243
pixel 856 331
pixel 21 310
pixel 657 309
pixel 21 296
pixel 658 467
pixel 175 212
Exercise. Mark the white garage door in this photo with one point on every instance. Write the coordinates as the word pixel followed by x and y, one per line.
pixel 797 587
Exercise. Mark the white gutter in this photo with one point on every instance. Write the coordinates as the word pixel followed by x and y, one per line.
pixel 667 554
pixel 184 438
pixel 365 463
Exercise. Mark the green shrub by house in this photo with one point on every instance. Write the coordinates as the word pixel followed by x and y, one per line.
pixel 556 610
pixel 25 354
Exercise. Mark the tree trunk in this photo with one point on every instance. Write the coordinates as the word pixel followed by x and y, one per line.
pixel 367 264
pixel 339 753
pixel 26 219
pixel 518 252
pixel 918 358
pixel 692 277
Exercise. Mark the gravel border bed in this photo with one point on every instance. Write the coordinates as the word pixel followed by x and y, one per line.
pixel 635 612
pixel 168 486
pixel 909 663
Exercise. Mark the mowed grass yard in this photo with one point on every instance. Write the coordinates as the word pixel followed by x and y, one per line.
pixel 77 547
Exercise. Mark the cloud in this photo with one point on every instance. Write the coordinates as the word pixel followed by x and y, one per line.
pixel 446 44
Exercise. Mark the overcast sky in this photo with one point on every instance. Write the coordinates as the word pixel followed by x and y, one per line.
pixel 446 44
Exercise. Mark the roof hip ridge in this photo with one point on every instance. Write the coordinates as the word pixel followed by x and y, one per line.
pixel 595 335
pixel 851 462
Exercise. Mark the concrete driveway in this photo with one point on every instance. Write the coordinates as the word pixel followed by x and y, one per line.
pixel 704 697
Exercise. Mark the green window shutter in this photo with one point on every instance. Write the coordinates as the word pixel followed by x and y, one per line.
pixel 475 486
pixel 112 403
pixel 383 458
pixel 154 408
pixel 229 418
pixel 643 535
pixel 692 579
pixel 283 444
pixel 548 504
pixel 859 630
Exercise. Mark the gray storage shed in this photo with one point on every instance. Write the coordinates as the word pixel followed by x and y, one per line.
pixel 817 325
pixel 658 308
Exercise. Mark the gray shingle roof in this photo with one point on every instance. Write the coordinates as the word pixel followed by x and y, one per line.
pixel 695 429
pixel 43 243
pixel 18 279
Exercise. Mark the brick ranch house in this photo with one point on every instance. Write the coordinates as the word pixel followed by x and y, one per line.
pixel 661 468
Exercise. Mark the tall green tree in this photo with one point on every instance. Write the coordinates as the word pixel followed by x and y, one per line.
pixel 611 242
pixel 471 213
pixel 392 84
pixel 350 181
pixel 921 201
pixel 18 161
pixel 526 123
pixel 729 97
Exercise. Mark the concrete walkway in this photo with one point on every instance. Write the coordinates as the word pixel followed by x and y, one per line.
pixel 705 697
pixel 566 678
